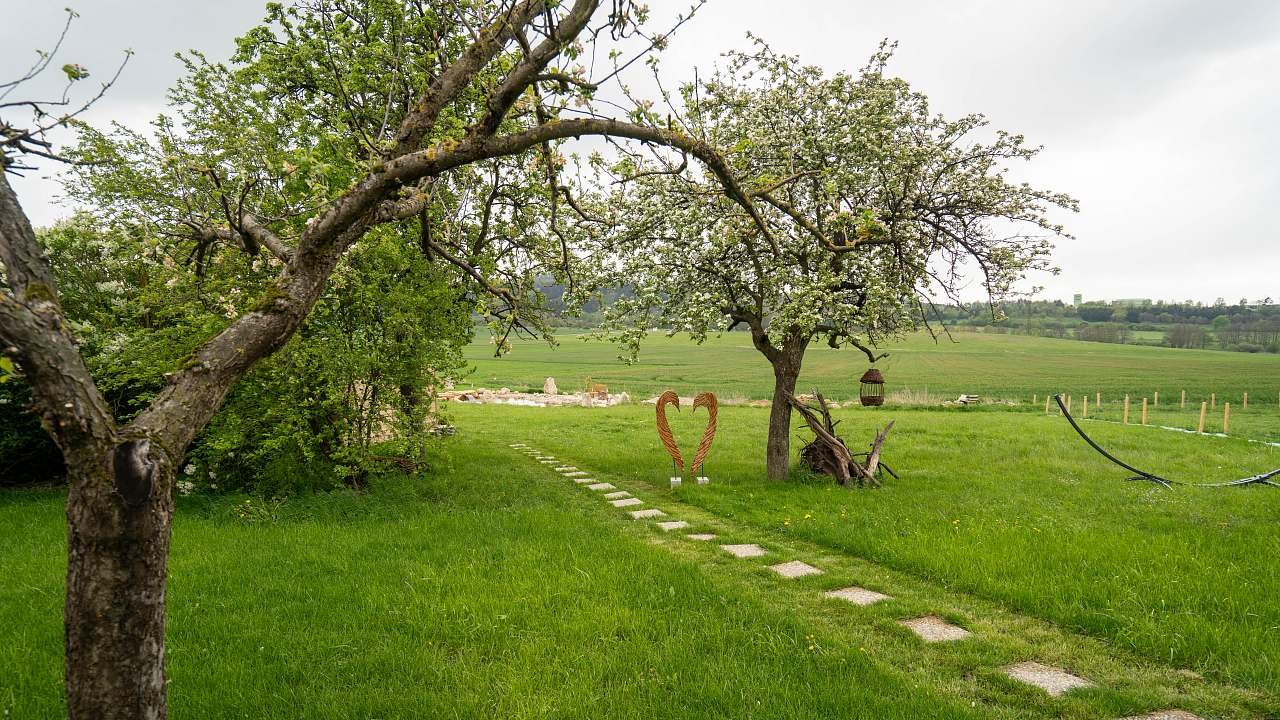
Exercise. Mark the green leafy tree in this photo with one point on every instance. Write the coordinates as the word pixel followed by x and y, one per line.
pixel 872 207
pixel 335 118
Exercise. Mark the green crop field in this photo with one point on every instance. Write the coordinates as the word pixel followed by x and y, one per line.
pixel 1004 366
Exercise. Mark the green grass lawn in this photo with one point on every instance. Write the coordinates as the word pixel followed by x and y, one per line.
pixel 1009 507
pixel 466 593
pixel 1007 366
pixel 491 587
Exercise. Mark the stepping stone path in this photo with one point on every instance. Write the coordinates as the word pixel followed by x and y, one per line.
pixel 857 595
pixel 743 551
pixel 932 629
pixel 795 569
pixel 1052 680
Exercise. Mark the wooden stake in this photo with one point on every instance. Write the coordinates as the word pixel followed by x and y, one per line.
pixel 1213 401
pixel 1156 403
pixel 1035 398
pixel 1183 404
pixel 1086 407
pixel 1246 401
pixel 1203 406
pixel 1126 410
pixel 1144 411
pixel 1046 404
pixel 1068 404
pixel 1226 417
pixel 1097 400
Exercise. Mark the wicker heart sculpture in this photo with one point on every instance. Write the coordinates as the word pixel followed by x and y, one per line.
pixel 706 400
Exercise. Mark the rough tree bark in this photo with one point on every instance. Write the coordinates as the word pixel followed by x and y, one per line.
pixel 118 503
pixel 786 361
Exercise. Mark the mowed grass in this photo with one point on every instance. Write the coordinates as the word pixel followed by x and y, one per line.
pixel 488 588
pixel 999 366
pixel 1011 507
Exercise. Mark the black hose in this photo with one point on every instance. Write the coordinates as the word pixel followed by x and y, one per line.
pixel 1141 475
pixel 1259 479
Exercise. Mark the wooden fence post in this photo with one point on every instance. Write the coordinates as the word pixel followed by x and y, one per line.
pixel 1213 401
pixel 1126 410
pixel 1203 406
pixel 1086 407
pixel 1068 403
pixel 1183 404
pixel 1097 400
pixel 1156 403
pixel 1144 411
pixel 1046 404
pixel 1246 401
pixel 1226 417
pixel 1035 398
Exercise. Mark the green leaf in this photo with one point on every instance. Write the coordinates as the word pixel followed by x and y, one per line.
pixel 75 71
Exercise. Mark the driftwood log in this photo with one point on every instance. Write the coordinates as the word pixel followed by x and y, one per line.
pixel 828 454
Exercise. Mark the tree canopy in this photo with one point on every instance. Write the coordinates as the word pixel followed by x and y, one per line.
pixel 874 209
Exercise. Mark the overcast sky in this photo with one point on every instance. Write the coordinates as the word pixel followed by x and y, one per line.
pixel 1161 116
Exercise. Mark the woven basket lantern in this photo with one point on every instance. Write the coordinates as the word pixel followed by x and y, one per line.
pixel 871 390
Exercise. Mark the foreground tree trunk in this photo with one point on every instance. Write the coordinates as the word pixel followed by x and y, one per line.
pixel 786 361
pixel 118 527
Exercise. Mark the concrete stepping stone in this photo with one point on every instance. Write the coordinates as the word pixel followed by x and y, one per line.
pixel 616 495
pixel 646 513
pixel 795 569
pixel 576 474
pixel 1165 715
pixel 932 629
pixel 626 502
pixel 1053 680
pixel 600 486
pixel 743 551
pixel 565 468
pixel 673 525
pixel 701 536
pixel 584 480
pixel 857 595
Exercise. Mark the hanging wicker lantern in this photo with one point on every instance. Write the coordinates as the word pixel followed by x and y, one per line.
pixel 871 391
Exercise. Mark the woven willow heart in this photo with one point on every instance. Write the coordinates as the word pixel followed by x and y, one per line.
pixel 706 400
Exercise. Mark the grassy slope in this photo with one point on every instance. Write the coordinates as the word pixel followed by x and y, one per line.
pixel 1010 366
pixel 1007 506
pixel 468 594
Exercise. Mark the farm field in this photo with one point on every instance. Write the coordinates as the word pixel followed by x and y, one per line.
pixel 1000 366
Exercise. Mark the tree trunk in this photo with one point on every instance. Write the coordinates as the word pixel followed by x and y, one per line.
pixel 786 368
pixel 119 511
